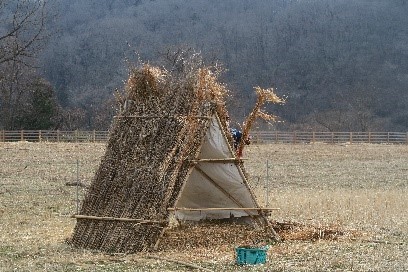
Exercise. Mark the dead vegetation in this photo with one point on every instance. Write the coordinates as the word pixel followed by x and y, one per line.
pixel 213 235
pixel 342 209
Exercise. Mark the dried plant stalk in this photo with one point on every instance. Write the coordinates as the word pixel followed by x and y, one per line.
pixel 263 96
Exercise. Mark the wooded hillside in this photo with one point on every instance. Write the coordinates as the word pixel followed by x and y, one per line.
pixel 341 64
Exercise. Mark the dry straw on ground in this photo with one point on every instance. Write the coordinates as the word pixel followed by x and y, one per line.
pixel 355 190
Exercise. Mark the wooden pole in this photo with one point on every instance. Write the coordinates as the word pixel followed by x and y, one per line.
pixel 103 218
pixel 179 262
pixel 77 186
pixel 161 116
pixel 226 160
pixel 267 183
pixel 222 209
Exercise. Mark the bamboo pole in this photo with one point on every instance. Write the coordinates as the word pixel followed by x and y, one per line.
pixel 141 221
pixel 160 116
pixel 178 262
pixel 218 160
pixel 267 183
pixel 222 209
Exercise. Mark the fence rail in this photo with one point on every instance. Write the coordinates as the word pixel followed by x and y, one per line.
pixel 296 137
pixel 53 136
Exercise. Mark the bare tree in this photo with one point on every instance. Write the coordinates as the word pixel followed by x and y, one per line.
pixel 22 30
pixel 22 36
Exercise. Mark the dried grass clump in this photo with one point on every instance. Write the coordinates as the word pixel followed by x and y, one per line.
pixel 263 96
pixel 304 232
pixel 163 117
pixel 215 235
pixel 144 82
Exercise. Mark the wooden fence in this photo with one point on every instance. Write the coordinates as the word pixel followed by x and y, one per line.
pixel 53 136
pixel 257 136
pixel 298 137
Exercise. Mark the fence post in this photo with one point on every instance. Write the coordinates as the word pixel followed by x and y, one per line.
pixel 58 136
pixel 406 139
pixel 369 137
pixel 2 136
pixel 351 137
pixel 267 184
pixel 39 136
pixel 388 137
pixel 313 137
pixel 22 135
pixel 76 136
pixel 294 137
pixel 332 138
pixel 93 136
pixel 276 137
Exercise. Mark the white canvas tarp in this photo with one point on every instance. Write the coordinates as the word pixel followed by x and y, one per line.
pixel 215 184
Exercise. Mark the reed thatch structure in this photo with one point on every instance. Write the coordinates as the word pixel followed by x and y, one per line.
pixel 169 151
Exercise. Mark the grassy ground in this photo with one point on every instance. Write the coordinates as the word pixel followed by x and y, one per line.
pixel 359 189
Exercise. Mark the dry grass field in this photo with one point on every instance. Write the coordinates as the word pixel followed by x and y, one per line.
pixel 359 190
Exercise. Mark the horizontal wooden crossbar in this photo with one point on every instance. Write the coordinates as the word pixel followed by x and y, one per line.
pixel 161 116
pixel 141 221
pixel 223 209
pixel 225 160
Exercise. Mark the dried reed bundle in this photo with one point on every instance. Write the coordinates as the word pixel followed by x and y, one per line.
pixel 263 96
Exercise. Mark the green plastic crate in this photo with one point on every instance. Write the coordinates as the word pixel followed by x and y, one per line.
pixel 250 255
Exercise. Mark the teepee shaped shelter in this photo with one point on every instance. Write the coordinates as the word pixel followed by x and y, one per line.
pixel 169 151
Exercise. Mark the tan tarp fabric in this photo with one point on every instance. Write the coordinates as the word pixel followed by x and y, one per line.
pixel 215 184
